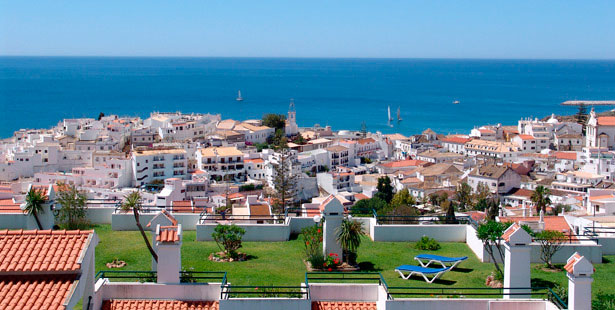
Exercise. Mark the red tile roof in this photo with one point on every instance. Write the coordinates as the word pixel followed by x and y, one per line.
pixel 168 234
pixel 458 140
pixel 571 261
pixel 42 250
pixel 551 222
pixel 566 155
pixel 35 292
pixel 405 163
pixel 360 196
pixel 508 232
pixel 168 215
pixel 153 304
pixel 181 203
pixel 526 137
pixel 9 206
pixel 343 305
pixel 366 141
pixel 254 161
pixel 606 120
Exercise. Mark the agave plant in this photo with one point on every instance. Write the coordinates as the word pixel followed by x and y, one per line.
pixel 349 238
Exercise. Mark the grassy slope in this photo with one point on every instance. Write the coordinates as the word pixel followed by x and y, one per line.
pixel 280 263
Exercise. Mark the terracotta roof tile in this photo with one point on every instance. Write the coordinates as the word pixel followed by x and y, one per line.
pixel 34 292
pixel 41 250
pixel 9 206
pixel 508 232
pixel 152 304
pixel 405 163
pixel 571 261
pixel 168 234
pixel 343 305
pixel 606 120
pixel 551 222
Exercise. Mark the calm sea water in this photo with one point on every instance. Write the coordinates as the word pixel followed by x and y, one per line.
pixel 39 91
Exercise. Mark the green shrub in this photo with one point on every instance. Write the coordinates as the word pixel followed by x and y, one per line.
pixel 317 261
pixel 604 302
pixel 312 240
pixel 228 238
pixel 428 244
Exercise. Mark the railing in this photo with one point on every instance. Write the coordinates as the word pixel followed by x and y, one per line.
pixel 267 291
pixel 124 275
pixel 246 219
pixel 118 209
pixel 479 292
pixel 425 219
pixel 203 277
pixel 594 231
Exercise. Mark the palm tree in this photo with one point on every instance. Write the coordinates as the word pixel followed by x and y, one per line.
pixel 349 238
pixel 34 204
pixel 133 201
pixel 541 199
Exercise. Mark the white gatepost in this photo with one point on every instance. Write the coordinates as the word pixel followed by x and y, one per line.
pixel 163 218
pixel 517 262
pixel 579 271
pixel 169 245
pixel 334 215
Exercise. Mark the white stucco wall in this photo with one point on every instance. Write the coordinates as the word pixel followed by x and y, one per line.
pixel 343 292
pixel 254 232
pixel 265 304
pixel 412 233
pixel 99 215
pixel 126 221
pixel 465 304
pixel 608 245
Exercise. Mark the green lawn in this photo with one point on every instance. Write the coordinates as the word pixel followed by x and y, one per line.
pixel 280 263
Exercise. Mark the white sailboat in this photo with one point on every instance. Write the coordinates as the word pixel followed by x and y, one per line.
pixel 399 119
pixel 389 113
pixel 456 102
pixel 239 98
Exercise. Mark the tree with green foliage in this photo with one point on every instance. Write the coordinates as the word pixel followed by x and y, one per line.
pixel 277 121
pixel 492 208
pixel 101 115
pixel 450 212
pixel 434 199
pixel 540 198
pixel 385 189
pixel 284 182
pixel 228 238
pixel 490 233
pixel 480 196
pixel 349 238
pixel 550 242
pixel 299 140
pixel 365 206
pixel 463 195
pixel 73 202
pixel 403 214
pixel 35 199
pixel 581 116
pixel 134 202
pixel 278 140
pixel 403 198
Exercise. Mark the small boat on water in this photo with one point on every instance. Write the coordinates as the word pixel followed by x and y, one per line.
pixel 239 98
pixel 399 119
pixel 389 113
pixel 456 102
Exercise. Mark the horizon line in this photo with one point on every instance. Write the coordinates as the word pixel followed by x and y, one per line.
pixel 306 57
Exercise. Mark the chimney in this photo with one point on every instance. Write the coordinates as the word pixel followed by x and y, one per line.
pixel 579 271
pixel 517 261
pixel 168 244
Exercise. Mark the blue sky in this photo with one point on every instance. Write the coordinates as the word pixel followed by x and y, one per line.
pixel 287 28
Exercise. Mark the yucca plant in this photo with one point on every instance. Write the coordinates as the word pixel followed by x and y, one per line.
pixel 349 238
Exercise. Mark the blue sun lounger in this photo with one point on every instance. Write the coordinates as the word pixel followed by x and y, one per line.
pixel 411 269
pixel 426 259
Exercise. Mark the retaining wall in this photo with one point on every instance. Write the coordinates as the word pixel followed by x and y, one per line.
pixel 254 232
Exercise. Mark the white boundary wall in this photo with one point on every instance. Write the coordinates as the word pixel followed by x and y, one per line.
pixel 105 290
pixel 254 232
pixel 467 304
pixel 344 292
pixel 126 221
pixel 265 304
pixel 413 233
pixel 99 215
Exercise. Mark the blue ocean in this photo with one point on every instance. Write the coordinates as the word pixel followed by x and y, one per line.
pixel 37 92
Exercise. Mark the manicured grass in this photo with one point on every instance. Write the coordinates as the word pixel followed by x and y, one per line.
pixel 281 263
